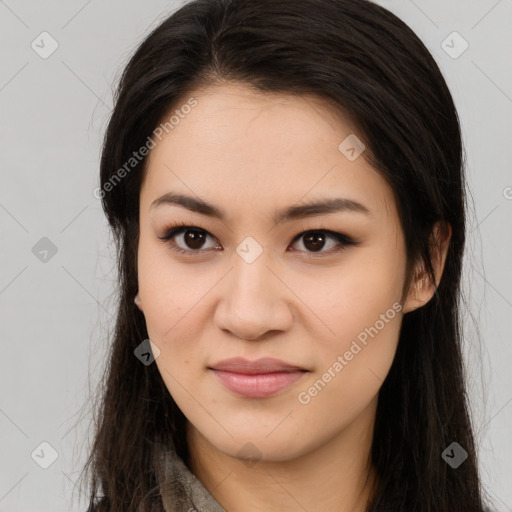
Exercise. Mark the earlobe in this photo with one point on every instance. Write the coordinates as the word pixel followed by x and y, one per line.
pixel 138 301
pixel 420 292
pixel 422 288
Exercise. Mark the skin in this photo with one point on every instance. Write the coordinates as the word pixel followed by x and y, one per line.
pixel 250 154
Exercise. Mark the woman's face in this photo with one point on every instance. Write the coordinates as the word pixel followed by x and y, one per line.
pixel 251 284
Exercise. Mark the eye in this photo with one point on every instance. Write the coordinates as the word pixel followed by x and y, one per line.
pixel 192 239
pixel 192 236
pixel 315 241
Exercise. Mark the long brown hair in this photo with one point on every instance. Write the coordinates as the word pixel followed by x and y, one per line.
pixel 372 66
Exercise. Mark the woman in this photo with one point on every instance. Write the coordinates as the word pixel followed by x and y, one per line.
pixel 285 183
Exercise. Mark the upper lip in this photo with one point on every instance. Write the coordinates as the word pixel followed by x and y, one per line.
pixel 263 365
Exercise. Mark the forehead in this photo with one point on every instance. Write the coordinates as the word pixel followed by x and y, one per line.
pixel 238 146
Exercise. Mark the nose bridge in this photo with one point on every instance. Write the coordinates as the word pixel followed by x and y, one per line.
pixel 252 282
pixel 253 302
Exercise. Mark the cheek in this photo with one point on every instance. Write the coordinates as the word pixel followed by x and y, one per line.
pixel 362 311
pixel 164 290
pixel 352 363
pixel 356 296
pixel 176 301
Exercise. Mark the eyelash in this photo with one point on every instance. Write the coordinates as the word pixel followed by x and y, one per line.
pixel 175 229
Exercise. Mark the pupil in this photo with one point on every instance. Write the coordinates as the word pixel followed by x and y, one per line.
pixel 316 245
pixel 196 238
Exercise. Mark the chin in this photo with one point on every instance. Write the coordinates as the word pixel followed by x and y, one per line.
pixel 252 443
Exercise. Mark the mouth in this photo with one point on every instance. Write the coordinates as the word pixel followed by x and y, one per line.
pixel 256 379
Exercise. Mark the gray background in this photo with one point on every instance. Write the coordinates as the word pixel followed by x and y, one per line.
pixel 56 309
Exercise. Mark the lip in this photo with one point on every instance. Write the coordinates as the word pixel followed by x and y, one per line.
pixel 259 366
pixel 256 379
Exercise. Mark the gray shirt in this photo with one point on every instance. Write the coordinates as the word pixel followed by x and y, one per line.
pixel 181 491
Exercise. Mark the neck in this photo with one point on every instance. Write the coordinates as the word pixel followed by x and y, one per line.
pixel 335 476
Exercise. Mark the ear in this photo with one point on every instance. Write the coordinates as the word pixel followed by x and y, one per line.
pixel 422 288
pixel 138 301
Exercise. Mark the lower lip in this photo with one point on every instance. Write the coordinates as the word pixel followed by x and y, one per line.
pixel 259 385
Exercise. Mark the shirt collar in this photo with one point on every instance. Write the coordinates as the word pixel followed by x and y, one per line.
pixel 180 490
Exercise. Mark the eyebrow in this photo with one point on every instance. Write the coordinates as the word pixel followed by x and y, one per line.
pixel 321 207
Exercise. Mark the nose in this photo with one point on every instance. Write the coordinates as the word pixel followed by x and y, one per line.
pixel 254 301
